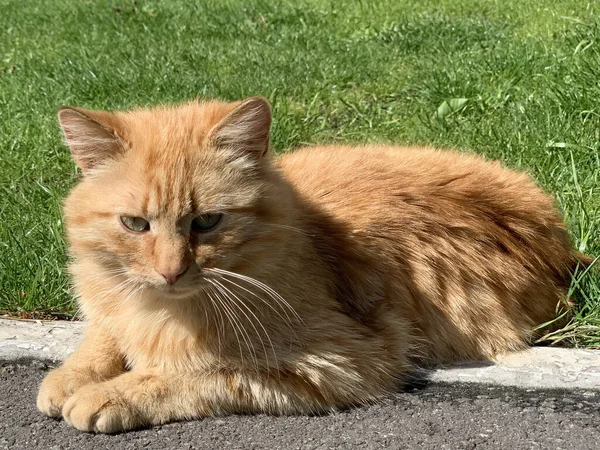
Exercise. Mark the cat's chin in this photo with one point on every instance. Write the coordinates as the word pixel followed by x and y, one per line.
pixel 176 292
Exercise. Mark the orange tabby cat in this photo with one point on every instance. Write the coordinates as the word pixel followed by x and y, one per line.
pixel 215 278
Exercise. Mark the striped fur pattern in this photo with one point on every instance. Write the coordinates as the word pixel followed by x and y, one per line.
pixel 332 271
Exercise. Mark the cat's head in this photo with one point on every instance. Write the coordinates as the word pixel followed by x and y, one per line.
pixel 170 193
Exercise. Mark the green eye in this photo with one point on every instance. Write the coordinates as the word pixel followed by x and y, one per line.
pixel 135 223
pixel 206 222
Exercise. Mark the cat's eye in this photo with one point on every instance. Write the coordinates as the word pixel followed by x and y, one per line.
pixel 206 222
pixel 137 224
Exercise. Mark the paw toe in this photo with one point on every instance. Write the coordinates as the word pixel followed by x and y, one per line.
pixel 49 406
pixel 94 410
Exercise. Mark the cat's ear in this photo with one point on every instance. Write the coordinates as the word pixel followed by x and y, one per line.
pixel 91 136
pixel 245 130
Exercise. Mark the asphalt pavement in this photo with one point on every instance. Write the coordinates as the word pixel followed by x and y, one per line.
pixel 430 416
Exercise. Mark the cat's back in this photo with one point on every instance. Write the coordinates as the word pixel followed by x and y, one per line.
pixel 419 179
pixel 424 195
pixel 448 232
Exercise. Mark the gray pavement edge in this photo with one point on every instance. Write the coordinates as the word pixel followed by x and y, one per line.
pixel 535 368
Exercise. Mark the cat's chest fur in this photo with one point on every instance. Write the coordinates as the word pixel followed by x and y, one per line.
pixel 158 339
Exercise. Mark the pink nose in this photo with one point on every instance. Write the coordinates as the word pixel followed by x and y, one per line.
pixel 172 274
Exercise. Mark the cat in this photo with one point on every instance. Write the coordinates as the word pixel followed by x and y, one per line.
pixel 215 278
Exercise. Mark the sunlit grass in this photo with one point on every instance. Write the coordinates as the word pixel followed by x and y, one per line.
pixel 512 80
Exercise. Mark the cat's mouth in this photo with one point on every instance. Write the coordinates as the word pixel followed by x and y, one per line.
pixel 177 289
pixel 180 290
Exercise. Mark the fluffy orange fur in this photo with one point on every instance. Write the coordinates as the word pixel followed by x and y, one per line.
pixel 332 270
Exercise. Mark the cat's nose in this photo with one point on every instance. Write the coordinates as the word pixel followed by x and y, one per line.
pixel 172 274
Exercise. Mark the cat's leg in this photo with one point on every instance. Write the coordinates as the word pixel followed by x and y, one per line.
pixel 152 397
pixel 96 360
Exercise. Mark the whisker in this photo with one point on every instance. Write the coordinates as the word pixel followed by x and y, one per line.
pixel 287 227
pixel 287 320
pixel 119 289
pixel 122 302
pixel 241 302
pixel 222 321
pixel 272 293
pixel 224 311
pixel 235 323
pixel 103 275
pixel 241 328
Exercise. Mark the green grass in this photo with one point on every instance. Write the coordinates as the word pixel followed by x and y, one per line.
pixel 520 81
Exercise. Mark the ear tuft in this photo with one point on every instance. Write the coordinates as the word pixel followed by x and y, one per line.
pixel 89 136
pixel 245 130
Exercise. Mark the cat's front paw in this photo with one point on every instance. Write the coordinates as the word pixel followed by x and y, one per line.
pixel 56 388
pixel 99 408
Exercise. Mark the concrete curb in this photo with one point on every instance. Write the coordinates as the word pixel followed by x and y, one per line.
pixel 535 368
pixel 48 340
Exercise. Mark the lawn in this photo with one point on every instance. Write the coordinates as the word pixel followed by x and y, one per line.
pixel 513 80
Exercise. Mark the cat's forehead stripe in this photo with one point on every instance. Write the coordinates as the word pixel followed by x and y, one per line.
pixel 145 202
pixel 168 193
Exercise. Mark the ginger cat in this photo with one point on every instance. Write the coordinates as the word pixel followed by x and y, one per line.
pixel 215 278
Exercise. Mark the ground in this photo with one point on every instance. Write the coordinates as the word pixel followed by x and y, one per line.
pixel 512 80
pixel 431 416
